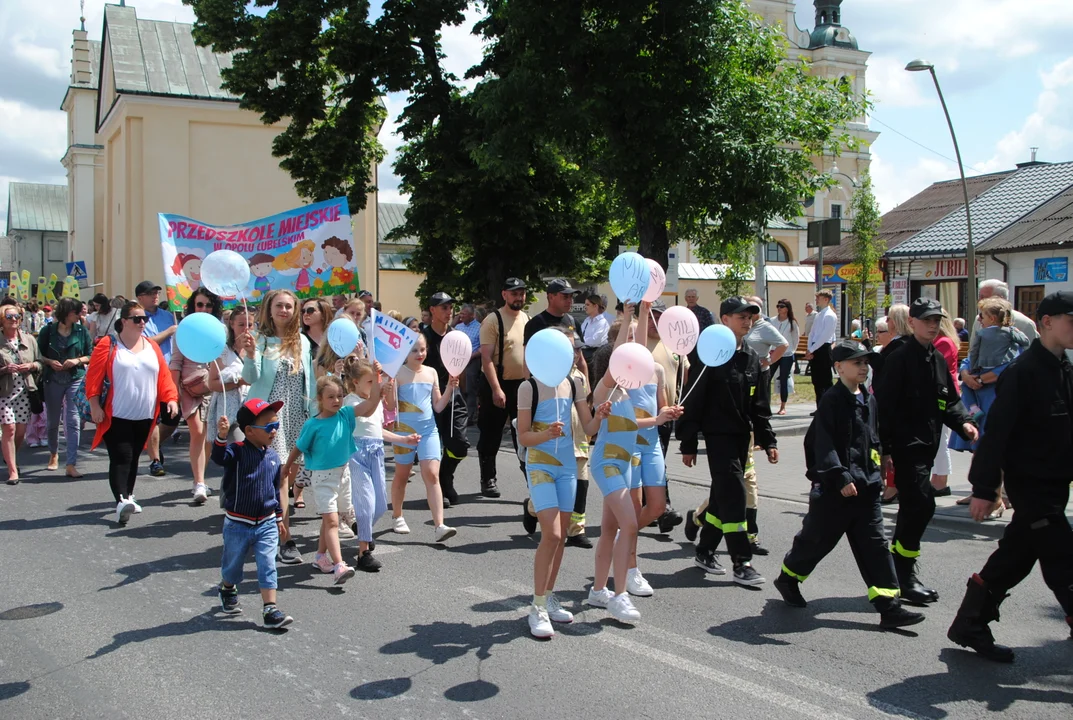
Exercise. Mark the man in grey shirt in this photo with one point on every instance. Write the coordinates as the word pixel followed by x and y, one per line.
pixel 767 342
pixel 996 288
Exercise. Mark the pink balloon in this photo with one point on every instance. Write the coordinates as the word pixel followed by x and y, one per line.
pixel 631 365
pixel 657 281
pixel 455 351
pixel 679 329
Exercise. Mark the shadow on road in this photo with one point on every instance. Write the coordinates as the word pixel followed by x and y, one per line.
pixel 972 678
pixel 190 561
pixel 207 621
pixel 13 689
pixel 777 618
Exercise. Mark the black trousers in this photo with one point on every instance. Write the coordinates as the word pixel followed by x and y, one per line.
pixel 860 519
pixel 490 422
pixel 916 500
pixel 125 441
pixel 452 427
pixel 820 368
pixel 725 516
pixel 1039 531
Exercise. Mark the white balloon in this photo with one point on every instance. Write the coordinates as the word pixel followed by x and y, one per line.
pixel 225 273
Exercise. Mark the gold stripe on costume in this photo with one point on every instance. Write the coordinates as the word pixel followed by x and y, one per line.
pixel 403 429
pixel 539 457
pixel 641 440
pixel 618 423
pixel 400 450
pixel 611 471
pixel 539 477
pixel 408 407
pixel 536 426
pixel 635 460
pixel 614 452
pixel 642 414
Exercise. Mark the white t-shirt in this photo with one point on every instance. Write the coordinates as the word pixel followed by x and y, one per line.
pixel 134 377
pixel 367 427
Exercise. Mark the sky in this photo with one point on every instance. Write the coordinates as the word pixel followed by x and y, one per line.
pixel 1006 72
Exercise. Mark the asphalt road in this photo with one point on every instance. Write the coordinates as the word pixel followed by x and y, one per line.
pixel 101 621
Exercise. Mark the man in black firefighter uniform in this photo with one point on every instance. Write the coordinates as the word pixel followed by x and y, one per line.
pixel 1028 443
pixel 725 405
pixel 843 461
pixel 916 396
pixel 451 423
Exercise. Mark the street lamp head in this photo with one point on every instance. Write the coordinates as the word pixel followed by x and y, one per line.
pixel 919 65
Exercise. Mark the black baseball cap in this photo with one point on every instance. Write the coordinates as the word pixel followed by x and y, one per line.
pixel 146 287
pixel 850 350
pixel 513 283
pixel 440 298
pixel 559 285
pixel 737 304
pixel 1057 303
pixel 251 409
pixel 925 308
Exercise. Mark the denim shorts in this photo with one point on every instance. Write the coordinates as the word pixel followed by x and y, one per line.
pixel 238 539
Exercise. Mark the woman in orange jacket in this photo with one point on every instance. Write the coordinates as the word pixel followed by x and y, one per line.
pixel 128 385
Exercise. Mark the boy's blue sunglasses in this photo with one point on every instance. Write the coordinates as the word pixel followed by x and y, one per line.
pixel 270 427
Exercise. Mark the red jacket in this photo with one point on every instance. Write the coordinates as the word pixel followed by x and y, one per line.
pixel 100 369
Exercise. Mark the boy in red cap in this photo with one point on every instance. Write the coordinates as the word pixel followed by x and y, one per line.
pixel 251 501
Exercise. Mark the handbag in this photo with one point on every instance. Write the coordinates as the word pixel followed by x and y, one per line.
pixel 196 384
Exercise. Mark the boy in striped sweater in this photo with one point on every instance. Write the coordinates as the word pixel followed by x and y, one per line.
pixel 252 509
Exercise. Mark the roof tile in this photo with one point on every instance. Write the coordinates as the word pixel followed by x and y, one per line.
pixel 36 207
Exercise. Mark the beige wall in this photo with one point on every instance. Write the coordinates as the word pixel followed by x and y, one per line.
pixel 205 160
pixel 398 291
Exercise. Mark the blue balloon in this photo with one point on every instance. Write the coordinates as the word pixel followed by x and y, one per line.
pixel 201 337
pixel 343 336
pixel 629 277
pixel 716 345
pixel 549 355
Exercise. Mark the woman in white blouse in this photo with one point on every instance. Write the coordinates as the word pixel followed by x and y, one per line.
pixel 787 325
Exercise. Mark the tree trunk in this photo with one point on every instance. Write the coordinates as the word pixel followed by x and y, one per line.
pixel 495 275
pixel 653 239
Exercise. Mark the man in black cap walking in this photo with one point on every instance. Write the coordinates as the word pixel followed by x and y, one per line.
pixel 560 300
pixel 502 371
pixel 916 397
pixel 452 421
pixel 1029 445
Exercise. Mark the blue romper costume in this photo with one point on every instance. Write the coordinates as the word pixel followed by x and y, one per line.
pixel 612 455
pixel 649 469
pixel 550 468
pixel 415 416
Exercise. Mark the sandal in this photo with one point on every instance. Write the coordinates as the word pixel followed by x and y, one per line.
pixel 890 500
pixel 967 500
pixel 299 504
pixel 12 481
pixel 72 472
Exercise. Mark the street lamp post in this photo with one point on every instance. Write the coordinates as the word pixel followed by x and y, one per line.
pixel 970 248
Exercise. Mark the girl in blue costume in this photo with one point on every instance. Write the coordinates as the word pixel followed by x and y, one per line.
pixel 419 395
pixel 648 467
pixel 551 473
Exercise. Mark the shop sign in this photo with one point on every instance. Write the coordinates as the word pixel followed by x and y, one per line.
pixel 848 272
pixel 1052 270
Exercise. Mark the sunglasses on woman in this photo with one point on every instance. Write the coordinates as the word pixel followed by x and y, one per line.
pixel 309 310
pixel 268 427
pixel 13 317
pixel 203 305
pixel 140 319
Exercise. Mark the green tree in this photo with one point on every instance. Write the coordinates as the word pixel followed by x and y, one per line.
pixel 688 109
pixel 868 248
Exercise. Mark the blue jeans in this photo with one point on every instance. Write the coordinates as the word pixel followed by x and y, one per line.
pixel 55 393
pixel 785 367
pixel 238 538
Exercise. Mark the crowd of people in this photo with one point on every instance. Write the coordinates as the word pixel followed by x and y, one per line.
pixel 287 418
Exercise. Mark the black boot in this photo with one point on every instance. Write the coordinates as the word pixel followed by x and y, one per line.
pixel 447 480
pixel 489 488
pixel 913 592
pixel 969 629
pixel 790 589
pixel 895 616
pixel 669 520
pixel 692 527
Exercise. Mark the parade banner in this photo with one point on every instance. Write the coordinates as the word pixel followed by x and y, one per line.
pixel 309 250
pixel 391 343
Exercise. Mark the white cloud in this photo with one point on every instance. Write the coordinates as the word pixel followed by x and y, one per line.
pixel 393 196
pixel 461 47
pixel 896 182
pixel 892 86
pixel 41 132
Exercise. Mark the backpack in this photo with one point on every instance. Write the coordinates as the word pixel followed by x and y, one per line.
pixel 521 450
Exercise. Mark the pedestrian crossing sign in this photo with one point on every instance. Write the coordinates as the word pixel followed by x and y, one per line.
pixel 77 270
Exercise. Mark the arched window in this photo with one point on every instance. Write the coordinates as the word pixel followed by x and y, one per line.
pixel 776 252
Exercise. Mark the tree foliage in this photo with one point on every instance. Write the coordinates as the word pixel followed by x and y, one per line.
pixel 868 248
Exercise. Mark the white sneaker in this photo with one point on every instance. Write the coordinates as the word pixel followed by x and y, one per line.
pixel 445 533
pixel 201 494
pixel 345 533
pixel 622 609
pixel 557 612
pixel 137 507
pixel 398 525
pixel 636 584
pixel 599 598
pixel 539 624
pixel 123 510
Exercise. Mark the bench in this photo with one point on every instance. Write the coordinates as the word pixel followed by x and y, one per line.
pixel 963 350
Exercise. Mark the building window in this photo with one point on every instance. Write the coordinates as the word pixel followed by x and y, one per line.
pixel 836 210
pixel 1028 299
pixel 775 252
pixel 57 250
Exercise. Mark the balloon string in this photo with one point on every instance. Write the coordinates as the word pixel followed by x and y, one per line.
pixel 682 375
pixel 682 402
pixel 452 412
pixel 223 386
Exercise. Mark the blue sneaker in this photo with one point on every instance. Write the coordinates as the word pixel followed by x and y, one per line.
pixel 229 600
pixel 274 619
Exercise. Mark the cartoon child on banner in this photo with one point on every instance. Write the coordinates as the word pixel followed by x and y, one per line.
pixel 261 268
pixel 299 258
pixel 337 255
pixel 188 265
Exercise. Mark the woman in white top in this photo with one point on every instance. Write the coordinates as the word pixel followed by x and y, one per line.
pixel 787 325
pixel 126 382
